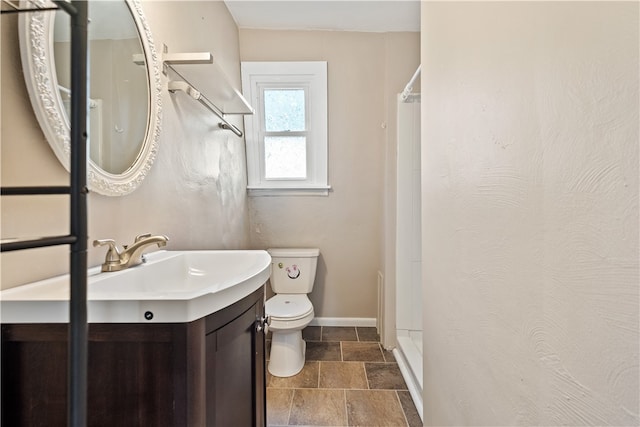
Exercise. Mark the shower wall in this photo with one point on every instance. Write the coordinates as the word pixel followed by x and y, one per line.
pixel 409 248
pixel 408 237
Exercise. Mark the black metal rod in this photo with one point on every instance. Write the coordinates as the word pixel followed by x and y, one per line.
pixel 41 242
pixel 29 191
pixel 40 9
pixel 78 328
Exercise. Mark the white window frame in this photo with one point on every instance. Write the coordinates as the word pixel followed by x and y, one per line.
pixel 312 77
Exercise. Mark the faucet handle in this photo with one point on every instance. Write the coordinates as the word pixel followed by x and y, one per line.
pixel 141 236
pixel 113 254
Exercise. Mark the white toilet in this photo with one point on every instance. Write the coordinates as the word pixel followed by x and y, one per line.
pixel 293 272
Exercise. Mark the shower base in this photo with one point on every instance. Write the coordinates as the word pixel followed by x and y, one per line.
pixel 408 354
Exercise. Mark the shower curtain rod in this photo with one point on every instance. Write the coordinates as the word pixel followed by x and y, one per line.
pixel 409 87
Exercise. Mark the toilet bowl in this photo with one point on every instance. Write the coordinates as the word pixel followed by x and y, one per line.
pixel 288 316
pixel 290 310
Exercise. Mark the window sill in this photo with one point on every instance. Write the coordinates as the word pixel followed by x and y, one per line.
pixel 289 191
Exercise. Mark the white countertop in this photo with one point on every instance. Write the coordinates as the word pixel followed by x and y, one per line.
pixel 171 287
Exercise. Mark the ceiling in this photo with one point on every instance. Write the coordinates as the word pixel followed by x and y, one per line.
pixel 337 15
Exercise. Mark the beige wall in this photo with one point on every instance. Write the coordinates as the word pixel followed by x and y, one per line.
pixel 530 213
pixel 365 71
pixel 195 192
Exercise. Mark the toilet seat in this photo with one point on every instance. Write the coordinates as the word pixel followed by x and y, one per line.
pixel 288 307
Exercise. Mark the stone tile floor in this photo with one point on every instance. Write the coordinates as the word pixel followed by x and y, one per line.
pixel 348 380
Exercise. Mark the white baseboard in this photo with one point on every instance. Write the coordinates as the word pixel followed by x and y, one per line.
pixel 344 321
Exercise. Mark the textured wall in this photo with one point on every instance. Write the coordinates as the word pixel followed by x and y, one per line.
pixel 347 225
pixel 195 192
pixel 530 213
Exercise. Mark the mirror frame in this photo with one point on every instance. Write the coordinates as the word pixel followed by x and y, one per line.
pixel 38 62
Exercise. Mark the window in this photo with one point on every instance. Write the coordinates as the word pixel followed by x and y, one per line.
pixel 287 135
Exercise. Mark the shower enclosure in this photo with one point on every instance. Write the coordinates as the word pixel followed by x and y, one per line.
pixel 408 245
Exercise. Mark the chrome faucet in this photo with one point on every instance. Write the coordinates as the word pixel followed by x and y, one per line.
pixel 117 260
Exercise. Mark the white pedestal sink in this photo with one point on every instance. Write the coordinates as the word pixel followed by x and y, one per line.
pixel 171 287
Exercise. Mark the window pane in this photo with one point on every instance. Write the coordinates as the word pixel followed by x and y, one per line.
pixel 284 110
pixel 285 157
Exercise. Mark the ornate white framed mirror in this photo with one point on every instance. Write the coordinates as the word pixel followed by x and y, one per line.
pixel 124 118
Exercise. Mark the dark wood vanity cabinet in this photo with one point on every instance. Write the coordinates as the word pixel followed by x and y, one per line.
pixel 235 367
pixel 209 372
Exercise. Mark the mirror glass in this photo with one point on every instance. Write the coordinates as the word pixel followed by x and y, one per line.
pixel 124 90
pixel 119 89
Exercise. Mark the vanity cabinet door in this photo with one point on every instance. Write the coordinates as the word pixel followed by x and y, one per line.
pixel 207 372
pixel 136 375
pixel 235 372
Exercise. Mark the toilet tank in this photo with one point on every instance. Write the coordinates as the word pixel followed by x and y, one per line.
pixel 293 270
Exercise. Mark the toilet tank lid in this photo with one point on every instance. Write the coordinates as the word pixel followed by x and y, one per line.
pixel 294 252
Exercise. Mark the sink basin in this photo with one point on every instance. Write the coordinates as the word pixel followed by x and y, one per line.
pixel 170 287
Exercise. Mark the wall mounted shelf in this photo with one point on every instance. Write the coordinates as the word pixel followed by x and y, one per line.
pixel 199 76
pixel 188 58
